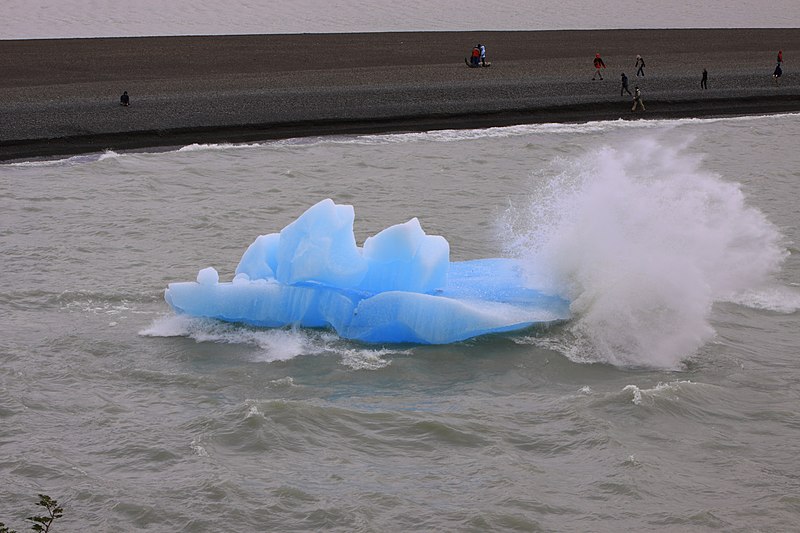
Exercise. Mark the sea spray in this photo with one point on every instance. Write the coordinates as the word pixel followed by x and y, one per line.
pixel 273 344
pixel 643 241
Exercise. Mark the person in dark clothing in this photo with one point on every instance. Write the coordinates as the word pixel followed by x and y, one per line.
pixel 639 65
pixel 776 75
pixel 637 99
pixel 125 99
pixel 704 80
pixel 624 87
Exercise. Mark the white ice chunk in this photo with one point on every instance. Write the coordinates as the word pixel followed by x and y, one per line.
pixel 207 276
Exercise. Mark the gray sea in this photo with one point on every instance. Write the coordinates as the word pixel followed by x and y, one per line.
pixel 45 19
pixel 669 402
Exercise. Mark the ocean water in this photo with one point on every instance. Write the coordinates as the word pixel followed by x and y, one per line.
pixel 36 19
pixel 669 402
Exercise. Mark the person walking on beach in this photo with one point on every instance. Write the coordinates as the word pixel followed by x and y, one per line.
pixel 776 75
pixel 780 56
pixel 704 80
pixel 483 54
pixel 598 64
pixel 639 65
pixel 125 100
pixel 637 99
pixel 624 85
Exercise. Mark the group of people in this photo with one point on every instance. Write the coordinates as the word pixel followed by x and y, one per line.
pixel 478 57
pixel 637 94
pixel 599 64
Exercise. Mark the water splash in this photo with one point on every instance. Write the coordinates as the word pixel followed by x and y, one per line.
pixel 273 344
pixel 643 241
pixel 269 345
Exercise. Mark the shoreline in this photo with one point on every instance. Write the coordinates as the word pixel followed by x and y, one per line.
pixel 157 140
pixel 60 97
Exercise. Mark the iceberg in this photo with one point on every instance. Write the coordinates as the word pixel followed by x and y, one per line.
pixel 400 287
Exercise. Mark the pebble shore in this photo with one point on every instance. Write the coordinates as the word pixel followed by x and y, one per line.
pixel 61 96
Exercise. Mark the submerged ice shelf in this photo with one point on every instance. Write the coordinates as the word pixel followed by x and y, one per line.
pixel 399 287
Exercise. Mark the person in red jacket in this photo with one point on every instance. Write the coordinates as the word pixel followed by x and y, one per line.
pixel 476 56
pixel 598 64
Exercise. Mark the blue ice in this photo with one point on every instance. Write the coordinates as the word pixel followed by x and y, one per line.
pixel 399 287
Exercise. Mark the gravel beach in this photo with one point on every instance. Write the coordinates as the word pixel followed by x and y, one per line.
pixel 62 96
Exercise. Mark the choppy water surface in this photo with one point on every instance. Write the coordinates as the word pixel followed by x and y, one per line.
pixel 668 403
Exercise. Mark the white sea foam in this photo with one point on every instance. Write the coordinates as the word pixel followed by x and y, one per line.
pixel 108 154
pixel 94 303
pixel 271 344
pixel 68 161
pixel 168 326
pixel 253 409
pixel 643 241
pixel 660 391
pixel 281 383
pixel 366 358
pixel 500 132
pixel 197 449
pixel 197 147
pixel 504 132
pixel 776 298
